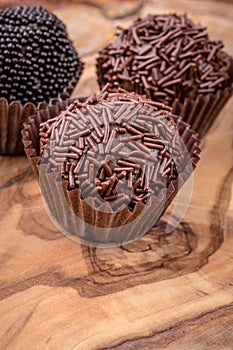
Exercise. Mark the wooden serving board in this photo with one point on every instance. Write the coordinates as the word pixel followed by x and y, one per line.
pixel 164 291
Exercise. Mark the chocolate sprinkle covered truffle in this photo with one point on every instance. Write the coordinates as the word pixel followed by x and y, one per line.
pixel 109 165
pixel 168 58
pixel 112 138
pixel 37 59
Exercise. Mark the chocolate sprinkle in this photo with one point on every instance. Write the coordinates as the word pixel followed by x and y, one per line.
pixel 122 157
pixel 165 57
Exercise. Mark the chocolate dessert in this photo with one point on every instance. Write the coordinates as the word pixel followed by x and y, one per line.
pixel 118 158
pixel 170 59
pixel 38 62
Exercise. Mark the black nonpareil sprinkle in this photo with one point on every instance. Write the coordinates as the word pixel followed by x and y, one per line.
pixel 37 59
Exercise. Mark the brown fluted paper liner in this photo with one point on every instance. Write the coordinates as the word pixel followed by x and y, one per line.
pixel 90 226
pixel 81 220
pixel 14 115
pixel 201 112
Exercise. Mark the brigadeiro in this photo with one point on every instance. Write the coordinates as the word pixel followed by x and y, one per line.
pixel 110 165
pixel 38 63
pixel 170 59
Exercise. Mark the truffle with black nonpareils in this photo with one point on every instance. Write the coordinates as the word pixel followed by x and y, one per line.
pixel 38 62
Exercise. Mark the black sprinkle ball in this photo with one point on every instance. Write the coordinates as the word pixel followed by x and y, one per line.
pixel 37 58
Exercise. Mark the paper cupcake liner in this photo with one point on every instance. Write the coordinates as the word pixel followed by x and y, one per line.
pixel 13 115
pixel 74 215
pixel 81 220
pixel 201 112
pixel 87 225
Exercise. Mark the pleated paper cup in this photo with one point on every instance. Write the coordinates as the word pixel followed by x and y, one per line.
pixel 87 225
pixel 80 218
pixel 13 115
pixel 201 112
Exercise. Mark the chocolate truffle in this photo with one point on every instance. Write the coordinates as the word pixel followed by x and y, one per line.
pixel 38 63
pixel 110 127
pixel 119 159
pixel 37 59
pixel 170 59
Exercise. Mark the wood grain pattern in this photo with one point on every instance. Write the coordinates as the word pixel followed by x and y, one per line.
pixel 164 291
